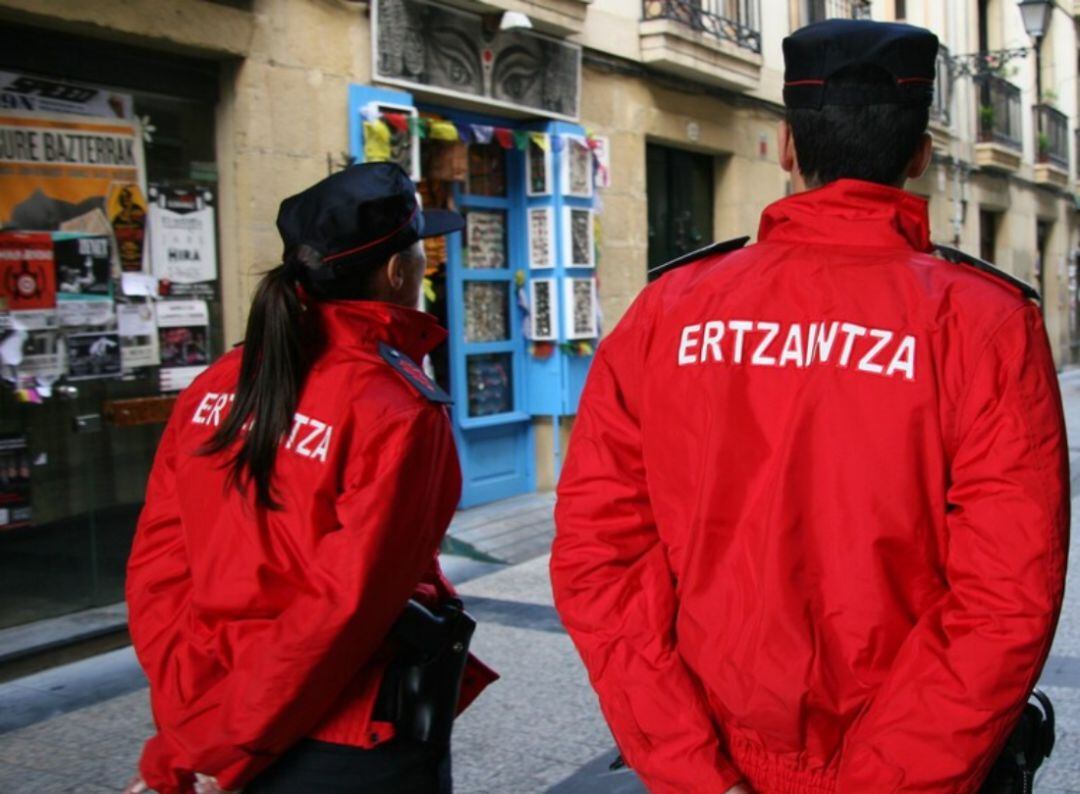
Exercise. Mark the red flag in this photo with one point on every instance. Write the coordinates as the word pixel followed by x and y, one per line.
pixel 398 121
pixel 505 137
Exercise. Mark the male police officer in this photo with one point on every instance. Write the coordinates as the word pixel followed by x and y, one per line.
pixel 812 526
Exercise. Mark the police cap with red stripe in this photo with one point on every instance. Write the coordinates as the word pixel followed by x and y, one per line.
pixel 360 217
pixel 816 54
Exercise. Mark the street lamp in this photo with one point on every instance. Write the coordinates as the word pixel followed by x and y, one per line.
pixel 1036 14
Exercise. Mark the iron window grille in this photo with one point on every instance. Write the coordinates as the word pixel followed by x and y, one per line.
pixel 737 21
pixel 999 112
pixel 820 10
pixel 1052 145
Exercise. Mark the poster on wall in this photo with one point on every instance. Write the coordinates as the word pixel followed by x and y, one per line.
pixel 542 316
pixel 183 342
pixel 57 168
pixel 537 170
pixel 485 235
pixel 577 167
pixel 94 354
pixel 138 335
pixel 183 239
pixel 15 509
pixel 34 348
pixel 27 271
pixel 426 45
pixel 578 247
pixel 83 264
pixel 540 237
pixel 126 208
pixel 580 309
pixel 29 93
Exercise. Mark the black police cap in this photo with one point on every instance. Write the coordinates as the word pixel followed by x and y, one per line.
pixel 361 216
pixel 817 53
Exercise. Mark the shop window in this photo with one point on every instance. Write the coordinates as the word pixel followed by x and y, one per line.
pixel 487 170
pixel 75 451
pixel 490 384
pixel 988 229
pixel 487 311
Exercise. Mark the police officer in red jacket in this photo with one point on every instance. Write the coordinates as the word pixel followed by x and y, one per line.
pixel 812 527
pixel 296 503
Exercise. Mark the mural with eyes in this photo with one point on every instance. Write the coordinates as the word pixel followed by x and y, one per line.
pixel 421 43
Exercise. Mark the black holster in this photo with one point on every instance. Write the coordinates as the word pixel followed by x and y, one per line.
pixel 1030 743
pixel 421 687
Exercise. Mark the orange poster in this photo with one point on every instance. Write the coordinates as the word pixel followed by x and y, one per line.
pixel 57 167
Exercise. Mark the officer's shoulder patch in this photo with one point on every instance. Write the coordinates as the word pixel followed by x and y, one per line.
pixel 958 257
pixel 733 244
pixel 412 372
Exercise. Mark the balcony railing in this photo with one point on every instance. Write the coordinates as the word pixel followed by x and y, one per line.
pixel 1052 129
pixel 820 10
pixel 939 110
pixel 737 21
pixel 999 112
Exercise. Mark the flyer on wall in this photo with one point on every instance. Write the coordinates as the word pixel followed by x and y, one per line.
pixel 183 341
pixel 137 326
pixel 183 242
pixel 83 264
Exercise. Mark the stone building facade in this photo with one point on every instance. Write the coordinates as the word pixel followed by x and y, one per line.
pixel 256 96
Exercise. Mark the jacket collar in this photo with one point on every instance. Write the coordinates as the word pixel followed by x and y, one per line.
pixel 849 212
pixel 366 323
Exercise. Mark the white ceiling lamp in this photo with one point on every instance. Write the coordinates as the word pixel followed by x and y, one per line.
pixel 514 20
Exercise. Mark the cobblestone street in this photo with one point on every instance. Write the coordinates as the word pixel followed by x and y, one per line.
pixel 79 728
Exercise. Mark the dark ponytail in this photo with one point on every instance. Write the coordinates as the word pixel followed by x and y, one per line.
pixel 271 373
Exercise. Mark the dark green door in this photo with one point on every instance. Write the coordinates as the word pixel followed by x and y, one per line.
pixel 680 194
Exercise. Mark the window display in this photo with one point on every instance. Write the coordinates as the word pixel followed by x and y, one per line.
pixel 578 247
pixel 542 317
pixel 540 237
pixel 485 240
pixel 580 312
pixel 490 382
pixel 487 170
pixel 487 317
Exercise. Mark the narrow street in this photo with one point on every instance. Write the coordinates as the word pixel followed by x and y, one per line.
pixel 79 728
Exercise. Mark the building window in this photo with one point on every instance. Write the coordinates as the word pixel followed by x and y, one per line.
pixel 680 202
pixel 988 229
pixel 737 21
pixel 820 10
pixel 900 10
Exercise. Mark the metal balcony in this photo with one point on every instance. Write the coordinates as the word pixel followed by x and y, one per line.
pixel 1052 129
pixel 736 21
pixel 999 112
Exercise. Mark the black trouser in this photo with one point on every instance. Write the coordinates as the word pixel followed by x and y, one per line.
pixel 397 767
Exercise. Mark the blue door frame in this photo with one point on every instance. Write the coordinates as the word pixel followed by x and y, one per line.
pixel 498 457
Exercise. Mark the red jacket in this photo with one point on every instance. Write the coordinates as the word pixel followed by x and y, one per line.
pixel 257 628
pixel 813 521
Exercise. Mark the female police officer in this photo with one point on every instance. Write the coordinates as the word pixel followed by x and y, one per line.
pixel 296 503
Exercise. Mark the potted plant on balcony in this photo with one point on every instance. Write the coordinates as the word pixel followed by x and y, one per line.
pixel 986 122
pixel 1044 147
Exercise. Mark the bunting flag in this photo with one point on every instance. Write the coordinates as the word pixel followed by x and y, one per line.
pixel 443 131
pixel 370 112
pixel 521 139
pixel 376 141
pixel 418 127
pixel 397 121
pixel 464 132
pixel 505 137
pixel 541 140
pixel 482 133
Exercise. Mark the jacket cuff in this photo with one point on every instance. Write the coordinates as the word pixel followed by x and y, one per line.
pixel 161 769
